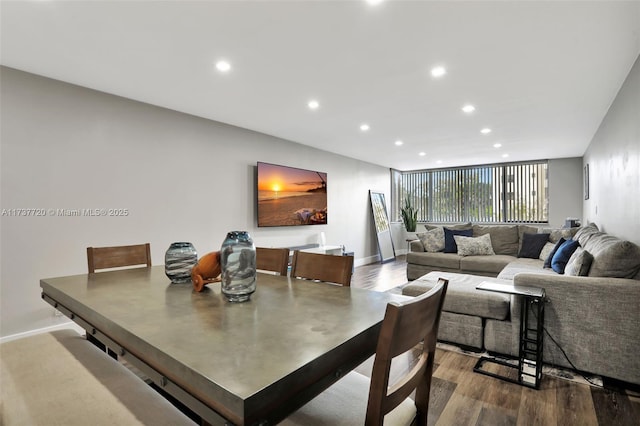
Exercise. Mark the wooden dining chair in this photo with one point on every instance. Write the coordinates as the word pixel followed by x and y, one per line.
pixel 118 256
pixel 322 267
pixel 356 400
pixel 272 259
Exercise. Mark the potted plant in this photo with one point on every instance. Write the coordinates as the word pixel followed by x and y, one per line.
pixel 409 218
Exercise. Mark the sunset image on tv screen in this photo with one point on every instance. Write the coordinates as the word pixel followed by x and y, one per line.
pixel 289 196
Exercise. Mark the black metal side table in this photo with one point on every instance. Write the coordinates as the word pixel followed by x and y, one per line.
pixel 529 364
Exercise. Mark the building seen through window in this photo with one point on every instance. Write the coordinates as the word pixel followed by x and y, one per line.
pixel 514 192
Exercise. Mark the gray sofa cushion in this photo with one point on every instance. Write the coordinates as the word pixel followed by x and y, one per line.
pixel 435 260
pixel 612 257
pixel 462 329
pixel 523 264
pixel 556 233
pixel 493 264
pixel 456 226
pixel 462 296
pixel 504 238
pixel 585 233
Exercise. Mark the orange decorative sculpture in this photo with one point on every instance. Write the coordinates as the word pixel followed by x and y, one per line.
pixel 206 271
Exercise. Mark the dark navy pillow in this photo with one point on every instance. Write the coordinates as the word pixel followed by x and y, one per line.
pixel 450 245
pixel 560 259
pixel 532 245
pixel 547 262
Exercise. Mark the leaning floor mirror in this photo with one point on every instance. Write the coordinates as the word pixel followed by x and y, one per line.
pixel 383 229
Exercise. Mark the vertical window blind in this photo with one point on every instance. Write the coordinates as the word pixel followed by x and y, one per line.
pixel 515 192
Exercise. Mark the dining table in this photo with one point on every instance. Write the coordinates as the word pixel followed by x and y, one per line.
pixel 246 363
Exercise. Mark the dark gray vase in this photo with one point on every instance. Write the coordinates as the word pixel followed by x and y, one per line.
pixel 179 260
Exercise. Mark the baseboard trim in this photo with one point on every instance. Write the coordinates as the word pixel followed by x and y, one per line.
pixel 366 260
pixel 65 325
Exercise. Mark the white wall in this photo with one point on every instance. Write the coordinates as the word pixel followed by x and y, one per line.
pixel 614 165
pixel 182 178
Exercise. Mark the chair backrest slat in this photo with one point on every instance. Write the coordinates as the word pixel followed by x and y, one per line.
pixel 118 256
pixel 405 326
pixel 272 259
pixel 322 267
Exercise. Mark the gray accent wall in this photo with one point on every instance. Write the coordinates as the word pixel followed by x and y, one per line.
pixel 565 190
pixel 614 165
pixel 181 178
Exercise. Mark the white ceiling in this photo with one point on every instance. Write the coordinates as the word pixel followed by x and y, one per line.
pixel 541 74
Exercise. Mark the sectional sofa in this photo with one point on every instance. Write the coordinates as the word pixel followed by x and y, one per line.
pixel 592 319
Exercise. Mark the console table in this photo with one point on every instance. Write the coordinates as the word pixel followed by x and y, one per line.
pixel 529 366
pixel 317 248
pixel 333 250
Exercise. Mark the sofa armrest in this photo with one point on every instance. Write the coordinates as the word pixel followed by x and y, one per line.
pixel 594 319
pixel 595 304
pixel 565 289
pixel 416 245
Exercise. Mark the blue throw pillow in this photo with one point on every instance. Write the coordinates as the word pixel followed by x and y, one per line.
pixel 547 262
pixel 450 245
pixel 560 259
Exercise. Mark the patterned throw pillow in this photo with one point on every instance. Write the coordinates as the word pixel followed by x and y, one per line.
pixel 579 263
pixel 470 246
pixel 432 240
pixel 546 251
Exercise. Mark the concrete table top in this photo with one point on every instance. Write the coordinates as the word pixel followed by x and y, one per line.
pixel 249 362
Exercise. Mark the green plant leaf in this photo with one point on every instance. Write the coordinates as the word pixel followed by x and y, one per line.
pixel 409 215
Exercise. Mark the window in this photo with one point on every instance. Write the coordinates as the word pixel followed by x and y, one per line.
pixel 515 192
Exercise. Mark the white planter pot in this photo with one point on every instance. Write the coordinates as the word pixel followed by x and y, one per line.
pixel 410 236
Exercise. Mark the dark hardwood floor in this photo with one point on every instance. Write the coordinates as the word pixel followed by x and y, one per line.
pixel 461 397
pixel 380 277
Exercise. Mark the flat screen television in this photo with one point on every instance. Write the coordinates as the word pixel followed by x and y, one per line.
pixel 288 196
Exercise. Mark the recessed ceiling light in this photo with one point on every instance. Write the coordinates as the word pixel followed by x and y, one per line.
pixel 439 162
pixel 313 104
pixel 497 145
pixel 468 108
pixel 398 142
pixel 485 131
pixel 422 154
pixel 505 155
pixel 438 71
pixel 374 2
pixel 223 66
pixel 364 127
